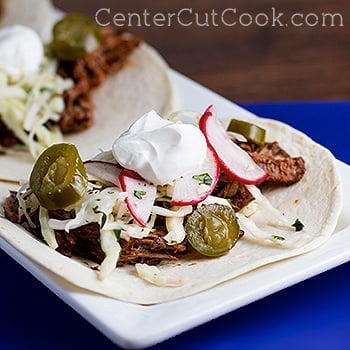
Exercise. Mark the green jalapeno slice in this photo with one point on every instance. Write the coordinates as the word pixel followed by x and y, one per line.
pixel 74 37
pixel 58 177
pixel 212 229
pixel 251 132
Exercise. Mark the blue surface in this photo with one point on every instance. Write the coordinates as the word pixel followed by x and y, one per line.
pixel 326 123
pixel 314 314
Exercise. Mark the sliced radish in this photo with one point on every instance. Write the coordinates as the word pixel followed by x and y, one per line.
pixel 105 171
pixel 194 188
pixel 140 195
pixel 233 160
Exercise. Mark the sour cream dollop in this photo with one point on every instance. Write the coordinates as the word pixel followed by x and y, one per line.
pixel 160 150
pixel 21 50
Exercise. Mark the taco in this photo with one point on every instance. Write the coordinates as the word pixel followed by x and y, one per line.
pixel 63 87
pixel 177 207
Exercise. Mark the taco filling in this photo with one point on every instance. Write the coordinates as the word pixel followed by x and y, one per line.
pixel 166 190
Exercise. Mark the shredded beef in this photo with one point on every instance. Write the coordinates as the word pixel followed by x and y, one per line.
pixel 149 250
pixel 277 163
pixel 281 168
pixel 237 193
pixel 7 138
pixel 84 241
pixel 11 208
pixel 90 72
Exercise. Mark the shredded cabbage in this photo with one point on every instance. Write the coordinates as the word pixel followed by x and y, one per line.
pixel 27 203
pixel 174 212
pixel 264 212
pixel 29 103
pixel 47 232
pixel 265 236
pixel 95 206
pixel 216 200
pixel 176 232
pixel 112 249
pixel 153 275
pixel 262 222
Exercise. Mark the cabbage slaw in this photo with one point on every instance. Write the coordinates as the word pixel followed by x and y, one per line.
pixel 31 105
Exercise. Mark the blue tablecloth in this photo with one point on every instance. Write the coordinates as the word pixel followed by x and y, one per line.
pixel 314 314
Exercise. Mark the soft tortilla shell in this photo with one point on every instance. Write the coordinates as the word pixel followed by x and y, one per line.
pixel 143 84
pixel 316 201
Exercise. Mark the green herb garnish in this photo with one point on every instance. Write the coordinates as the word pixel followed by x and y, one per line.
pixel 104 216
pixel 45 88
pixel 298 225
pixel 139 194
pixel 164 204
pixel 117 232
pixel 278 238
pixel 204 179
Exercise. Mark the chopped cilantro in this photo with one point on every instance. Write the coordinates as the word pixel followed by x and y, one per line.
pixel 278 238
pixel 104 216
pixel 45 88
pixel 117 232
pixel 204 179
pixel 298 225
pixel 164 204
pixel 139 194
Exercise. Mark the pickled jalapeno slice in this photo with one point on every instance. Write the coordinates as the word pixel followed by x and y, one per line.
pixel 58 178
pixel 251 132
pixel 212 229
pixel 74 37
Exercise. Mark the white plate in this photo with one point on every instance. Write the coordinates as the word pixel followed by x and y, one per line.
pixel 118 320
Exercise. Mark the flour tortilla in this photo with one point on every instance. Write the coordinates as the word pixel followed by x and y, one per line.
pixel 143 84
pixel 316 200
pixel 37 14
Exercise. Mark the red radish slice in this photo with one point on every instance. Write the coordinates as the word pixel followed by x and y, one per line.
pixel 194 188
pixel 233 160
pixel 105 171
pixel 140 195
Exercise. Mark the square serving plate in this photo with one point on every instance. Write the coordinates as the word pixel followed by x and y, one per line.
pixel 118 320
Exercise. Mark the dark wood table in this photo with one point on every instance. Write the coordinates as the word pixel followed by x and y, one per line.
pixel 306 58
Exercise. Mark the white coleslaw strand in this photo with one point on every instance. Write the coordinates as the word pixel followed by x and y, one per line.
pixel 95 206
pixel 265 236
pixel 264 224
pixel 176 232
pixel 112 249
pixel 27 203
pixel 174 212
pixel 47 232
pixel 264 212
pixel 29 102
pixel 154 275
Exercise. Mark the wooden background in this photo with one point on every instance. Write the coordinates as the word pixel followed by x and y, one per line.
pixel 248 63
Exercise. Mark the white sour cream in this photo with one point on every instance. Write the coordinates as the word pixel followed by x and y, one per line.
pixel 21 50
pixel 159 150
